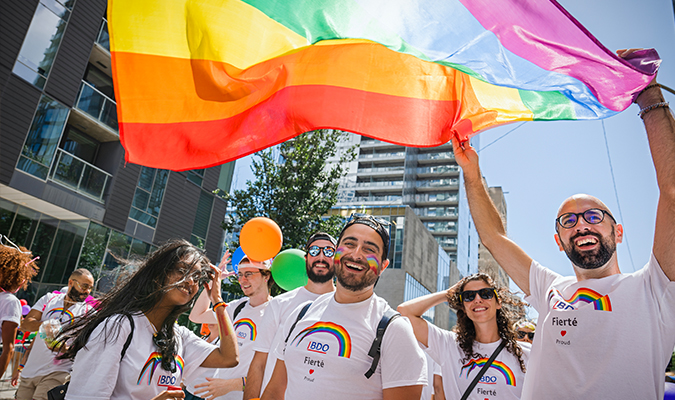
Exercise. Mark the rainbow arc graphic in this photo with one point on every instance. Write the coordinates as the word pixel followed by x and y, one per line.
pixel 248 324
pixel 153 362
pixel 498 366
pixel 344 341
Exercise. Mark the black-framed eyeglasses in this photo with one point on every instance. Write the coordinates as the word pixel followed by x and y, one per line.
pixel 470 295
pixel 592 216
pixel 328 251
pixel 523 334
pixel 247 274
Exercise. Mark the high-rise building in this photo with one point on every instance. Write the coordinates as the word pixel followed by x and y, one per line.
pixel 426 179
pixel 65 190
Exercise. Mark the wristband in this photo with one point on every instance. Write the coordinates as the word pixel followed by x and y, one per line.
pixel 219 304
pixel 243 383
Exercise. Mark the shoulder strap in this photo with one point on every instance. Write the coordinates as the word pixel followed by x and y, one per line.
pixel 128 342
pixel 483 370
pixel 374 351
pixel 238 310
pixel 300 315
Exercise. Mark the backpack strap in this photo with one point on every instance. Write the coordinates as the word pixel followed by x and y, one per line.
pixel 374 351
pixel 300 315
pixel 238 310
pixel 128 342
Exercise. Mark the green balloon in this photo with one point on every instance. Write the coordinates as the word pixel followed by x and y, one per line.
pixel 288 269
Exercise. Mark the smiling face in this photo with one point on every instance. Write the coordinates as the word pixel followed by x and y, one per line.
pixel 320 268
pixel 480 310
pixel 588 246
pixel 182 283
pixel 255 283
pixel 358 259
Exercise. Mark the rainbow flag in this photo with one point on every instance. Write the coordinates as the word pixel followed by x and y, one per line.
pixel 202 82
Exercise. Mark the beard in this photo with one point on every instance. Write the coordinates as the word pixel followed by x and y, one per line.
pixel 591 260
pixel 351 282
pixel 76 295
pixel 316 278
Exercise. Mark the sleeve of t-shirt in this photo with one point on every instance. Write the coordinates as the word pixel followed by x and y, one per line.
pixel 268 327
pixel 439 341
pixel 97 364
pixel 402 360
pixel 195 351
pixel 541 278
pixel 663 290
pixel 42 302
pixel 10 310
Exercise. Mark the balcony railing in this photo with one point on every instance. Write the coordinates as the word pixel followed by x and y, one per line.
pixel 379 184
pixel 103 38
pixel 437 183
pixel 383 155
pixel 101 107
pixel 436 197
pixel 438 170
pixel 437 212
pixel 80 176
pixel 398 169
pixel 391 199
pixel 448 155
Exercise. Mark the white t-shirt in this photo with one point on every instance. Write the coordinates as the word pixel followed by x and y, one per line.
pixel 98 373
pixel 41 361
pixel 10 309
pixel 428 390
pixel 246 328
pixel 327 353
pixel 502 380
pixel 269 334
pixel 608 338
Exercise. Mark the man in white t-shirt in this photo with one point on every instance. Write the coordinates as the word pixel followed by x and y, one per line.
pixel 255 280
pixel 601 334
pixel 320 271
pixel 42 371
pixel 325 354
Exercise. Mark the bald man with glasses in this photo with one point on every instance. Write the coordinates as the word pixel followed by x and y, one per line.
pixel 601 333
pixel 42 372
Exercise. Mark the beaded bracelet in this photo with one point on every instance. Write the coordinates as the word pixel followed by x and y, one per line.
pixel 219 304
pixel 654 106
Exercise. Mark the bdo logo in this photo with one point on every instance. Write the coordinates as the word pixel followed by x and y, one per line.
pixel 318 347
pixel 241 335
pixel 491 380
pixel 166 380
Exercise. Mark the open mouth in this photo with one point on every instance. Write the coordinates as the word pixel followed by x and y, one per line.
pixel 479 309
pixel 185 290
pixel 354 266
pixel 586 242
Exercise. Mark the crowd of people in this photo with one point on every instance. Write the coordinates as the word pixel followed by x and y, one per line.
pixel 600 334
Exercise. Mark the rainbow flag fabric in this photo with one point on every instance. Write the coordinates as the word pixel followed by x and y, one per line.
pixel 202 82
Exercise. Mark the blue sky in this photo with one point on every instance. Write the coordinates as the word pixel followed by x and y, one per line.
pixel 539 164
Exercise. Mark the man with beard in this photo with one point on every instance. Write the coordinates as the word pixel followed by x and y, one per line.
pixel 601 333
pixel 320 271
pixel 326 353
pixel 42 371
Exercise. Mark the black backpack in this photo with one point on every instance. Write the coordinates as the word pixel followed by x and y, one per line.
pixel 374 351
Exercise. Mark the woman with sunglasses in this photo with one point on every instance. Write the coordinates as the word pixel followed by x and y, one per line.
pixel 130 346
pixel 482 324
pixel 525 330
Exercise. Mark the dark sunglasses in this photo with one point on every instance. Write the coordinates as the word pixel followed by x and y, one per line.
pixel 362 216
pixel 521 335
pixel 328 251
pixel 592 216
pixel 485 294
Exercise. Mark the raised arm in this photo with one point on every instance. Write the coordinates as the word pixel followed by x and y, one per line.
pixel 201 313
pixel 660 127
pixel 413 310
pixel 227 355
pixel 488 223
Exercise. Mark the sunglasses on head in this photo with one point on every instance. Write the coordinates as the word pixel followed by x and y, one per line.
pixel 328 251
pixel 592 216
pixel 522 334
pixel 470 295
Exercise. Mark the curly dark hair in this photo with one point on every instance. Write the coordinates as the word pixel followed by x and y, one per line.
pixel 17 268
pixel 465 330
pixel 139 293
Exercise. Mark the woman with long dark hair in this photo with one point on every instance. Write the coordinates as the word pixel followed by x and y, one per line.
pixel 130 346
pixel 483 323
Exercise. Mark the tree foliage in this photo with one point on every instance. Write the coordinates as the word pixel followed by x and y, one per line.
pixel 295 187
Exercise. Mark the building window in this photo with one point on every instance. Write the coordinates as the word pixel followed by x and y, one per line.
pixel 196 176
pixel 42 41
pixel 201 226
pixel 43 137
pixel 148 197
pixel 413 290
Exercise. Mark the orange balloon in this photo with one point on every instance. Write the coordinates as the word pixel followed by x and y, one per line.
pixel 260 238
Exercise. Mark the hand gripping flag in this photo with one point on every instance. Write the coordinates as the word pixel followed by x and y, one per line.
pixel 202 82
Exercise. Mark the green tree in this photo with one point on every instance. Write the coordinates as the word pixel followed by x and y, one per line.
pixel 295 189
